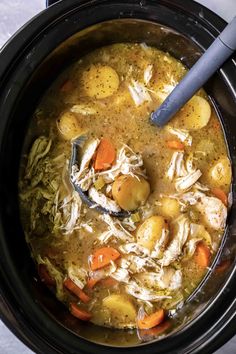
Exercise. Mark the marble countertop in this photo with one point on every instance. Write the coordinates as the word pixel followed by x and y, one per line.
pixel 14 14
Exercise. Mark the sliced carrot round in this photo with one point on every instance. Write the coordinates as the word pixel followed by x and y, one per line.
pixel 155 331
pixel 105 155
pixel 91 282
pixel 73 288
pixel 152 320
pixel 79 313
pixel 220 194
pixel 202 255
pixel 45 276
pixel 103 256
pixel 175 144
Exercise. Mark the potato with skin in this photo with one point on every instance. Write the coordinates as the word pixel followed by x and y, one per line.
pixel 194 115
pixel 130 192
pixel 151 231
pixel 169 208
pixel 120 309
pixel 68 126
pixel 220 174
pixel 100 81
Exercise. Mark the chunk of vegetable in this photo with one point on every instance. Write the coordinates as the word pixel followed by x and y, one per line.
pixel 130 192
pixel 121 309
pixel 220 174
pixel 66 86
pixel 151 232
pixel 220 194
pixel 100 81
pixel 175 145
pixel 68 126
pixel 72 287
pixel 195 114
pixel 79 313
pixel 105 155
pixel 202 255
pixel 223 266
pixel 45 276
pixel 146 334
pixel 91 282
pixel 152 320
pixel 108 282
pixel 169 207
pixel 103 256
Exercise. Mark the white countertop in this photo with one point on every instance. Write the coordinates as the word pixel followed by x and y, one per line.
pixel 13 14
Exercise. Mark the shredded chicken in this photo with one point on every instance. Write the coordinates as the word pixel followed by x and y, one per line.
pixel 174 249
pixel 39 150
pixel 78 275
pixel 55 274
pixel 115 229
pixel 182 134
pixel 214 212
pixel 167 278
pixel 143 293
pixel 139 93
pixel 65 215
pixel 147 74
pixel 121 275
pixel 134 248
pixel 101 199
pixel 83 109
pixel 212 209
pixel 184 172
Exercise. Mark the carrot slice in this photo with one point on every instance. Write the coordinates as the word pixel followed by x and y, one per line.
pixel 45 276
pixel 175 144
pixel 109 282
pixel 202 255
pixel 103 256
pixel 73 288
pixel 66 86
pixel 223 266
pixel 220 194
pixel 155 331
pixel 152 320
pixel 105 155
pixel 79 313
pixel 91 282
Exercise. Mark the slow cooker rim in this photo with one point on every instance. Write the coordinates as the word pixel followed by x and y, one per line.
pixel 58 5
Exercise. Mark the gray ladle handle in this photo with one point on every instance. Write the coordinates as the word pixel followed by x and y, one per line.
pixel 220 50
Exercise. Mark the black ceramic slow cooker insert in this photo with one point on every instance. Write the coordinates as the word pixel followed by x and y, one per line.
pixel 29 63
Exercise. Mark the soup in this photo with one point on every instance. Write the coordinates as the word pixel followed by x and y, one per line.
pixel 171 183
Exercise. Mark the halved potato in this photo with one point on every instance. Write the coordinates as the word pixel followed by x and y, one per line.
pixel 100 81
pixel 119 311
pixel 130 192
pixel 68 126
pixel 220 174
pixel 169 207
pixel 151 231
pixel 195 114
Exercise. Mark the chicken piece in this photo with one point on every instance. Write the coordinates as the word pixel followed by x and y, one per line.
pixel 174 249
pixel 213 211
pixel 102 200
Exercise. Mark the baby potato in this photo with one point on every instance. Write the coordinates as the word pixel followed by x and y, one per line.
pixel 120 310
pixel 169 207
pixel 150 232
pixel 195 114
pixel 68 126
pixel 100 81
pixel 130 192
pixel 220 174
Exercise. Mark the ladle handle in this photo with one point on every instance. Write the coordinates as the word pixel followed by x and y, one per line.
pixel 220 50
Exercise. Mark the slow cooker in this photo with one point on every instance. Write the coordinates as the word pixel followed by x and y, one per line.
pixel 29 63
